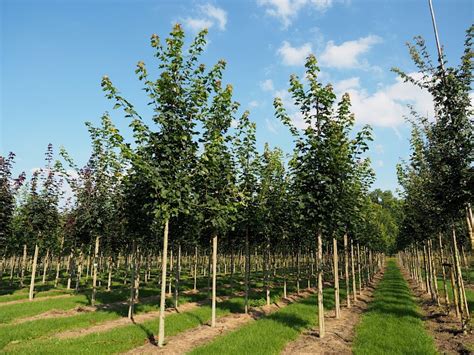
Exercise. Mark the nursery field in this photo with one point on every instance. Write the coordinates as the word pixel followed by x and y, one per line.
pixel 172 225
pixel 63 321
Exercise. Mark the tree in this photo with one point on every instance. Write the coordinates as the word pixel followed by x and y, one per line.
pixel 168 155
pixel 216 172
pixel 324 160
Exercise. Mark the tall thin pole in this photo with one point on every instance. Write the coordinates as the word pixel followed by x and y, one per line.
pixel 435 29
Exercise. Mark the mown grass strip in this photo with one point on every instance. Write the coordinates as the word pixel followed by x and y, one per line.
pixel 270 334
pixel 44 327
pixel 126 337
pixel 392 324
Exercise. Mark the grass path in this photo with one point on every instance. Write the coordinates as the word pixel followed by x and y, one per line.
pixel 123 338
pixel 270 334
pixel 392 324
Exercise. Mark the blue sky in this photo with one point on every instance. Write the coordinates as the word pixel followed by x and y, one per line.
pixel 54 53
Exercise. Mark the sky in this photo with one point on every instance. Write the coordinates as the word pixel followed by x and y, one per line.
pixel 53 55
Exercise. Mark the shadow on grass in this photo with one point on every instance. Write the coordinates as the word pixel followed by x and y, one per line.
pixel 290 320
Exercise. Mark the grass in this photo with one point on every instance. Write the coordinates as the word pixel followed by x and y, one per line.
pixel 270 334
pixel 19 336
pixel 124 338
pixel 392 324
pixel 45 327
pixel 469 294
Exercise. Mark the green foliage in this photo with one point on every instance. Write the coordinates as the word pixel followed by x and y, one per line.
pixel 438 180
pixel 8 187
pixel 328 172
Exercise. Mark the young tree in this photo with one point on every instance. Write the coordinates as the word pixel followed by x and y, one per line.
pixel 168 155
pixel 324 160
pixel 216 172
pixel 246 160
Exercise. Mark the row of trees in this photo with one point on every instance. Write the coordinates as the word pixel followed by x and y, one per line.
pixel 189 182
pixel 438 180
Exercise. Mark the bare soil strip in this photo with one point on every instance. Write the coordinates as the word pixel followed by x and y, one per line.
pixel 445 329
pixel 188 340
pixel 55 313
pixel 139 318
pixel 26 300
pixel 339 332
pixel 58 313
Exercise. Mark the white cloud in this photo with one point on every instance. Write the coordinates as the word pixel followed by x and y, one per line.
pixel 253 104
pixel 287 10
pixel 346 55
pixel 267 85
pixel 209 16
pixel 344 85
pixel 379 148
pixel 197 24
pixel 379 163
pixel 387 107
pixel 294 55
pixel 217 14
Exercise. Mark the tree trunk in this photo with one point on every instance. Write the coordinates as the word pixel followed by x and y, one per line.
pixel 23 265
pixel 427 276
pixel 445 286
pixel 109 279
pixel 267 272
pixel 177 276
pixel 79 269
pixel 464 308
pixel 161 330
pixel 95 266
pixel 33 273
pixel 346 271
pixel 320 287
pixel 337 307
pixel 45 266
pixel 470 225
pixel 354 285
pixel 131 303
pixel 214 274
pixel 195 267
pixel 247 270
pixel 359 269
pixel 171 269
pixel 232 269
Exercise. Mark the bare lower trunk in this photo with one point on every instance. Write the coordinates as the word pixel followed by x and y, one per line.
pixel 336 279
pixel 354 285
pixel 267 272
pixel 443 269
pixel 131 304
pixel 346 271
pixel 33 273
pixel 214 274
pixel 109 279
pixel 359 268
pixel 79 269
pixel 464 308
pixel 95 267
pixel 177 277
pixel 195 268
pixel 247 270
pixel 45 266
pixel 161 330
pixel 23 265
pixel 470 225
pixel 320 287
